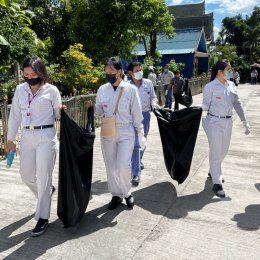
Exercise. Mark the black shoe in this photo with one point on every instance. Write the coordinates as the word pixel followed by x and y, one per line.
pixel 115 202
pixel 40 227
pixel 130 201
pixel 211 177
pixel 218 190
pixel 136 180
pixel 141 166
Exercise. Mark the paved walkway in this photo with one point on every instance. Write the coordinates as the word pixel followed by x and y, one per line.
pixel 168 221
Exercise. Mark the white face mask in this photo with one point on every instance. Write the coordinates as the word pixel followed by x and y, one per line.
pixel 138 75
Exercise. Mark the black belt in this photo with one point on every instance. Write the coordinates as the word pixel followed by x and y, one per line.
pixel 38 127
pixel 220 116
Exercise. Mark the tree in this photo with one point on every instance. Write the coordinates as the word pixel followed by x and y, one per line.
pixel 16 32
pixel 154 17
pixel 49 22
pixel 113 28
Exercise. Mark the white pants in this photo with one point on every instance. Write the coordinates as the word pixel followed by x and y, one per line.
pixel 37 157
pixel 218 131
pixel 117 153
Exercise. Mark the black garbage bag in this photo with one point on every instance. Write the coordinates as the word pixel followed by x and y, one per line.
pixel 178 131
pixel 75 170
pixel 186 97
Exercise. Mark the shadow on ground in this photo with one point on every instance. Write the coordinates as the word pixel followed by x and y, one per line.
pixel 194 202
pixel 250 219
pixel 159 199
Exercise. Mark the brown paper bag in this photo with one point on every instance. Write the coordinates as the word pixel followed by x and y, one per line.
pixel 108 126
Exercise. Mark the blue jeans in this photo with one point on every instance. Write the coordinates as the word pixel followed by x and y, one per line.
pixel 137 152
pixel 168 97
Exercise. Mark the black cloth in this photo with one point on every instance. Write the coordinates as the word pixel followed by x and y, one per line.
pixel 178 131
pixel 75 170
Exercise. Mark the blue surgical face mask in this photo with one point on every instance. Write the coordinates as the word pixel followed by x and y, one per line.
pixel 228 74
pixel 111 78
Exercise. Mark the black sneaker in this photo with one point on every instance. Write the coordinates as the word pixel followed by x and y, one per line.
pixel 130 201
pixel 40 227
pixel 141 166
pixel 209 175
pixel 218 190
pixel 136 180
pixel 115 202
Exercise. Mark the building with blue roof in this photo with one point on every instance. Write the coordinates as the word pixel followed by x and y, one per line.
pixel 188 46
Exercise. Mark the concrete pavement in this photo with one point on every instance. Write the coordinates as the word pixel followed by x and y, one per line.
pixel 169 221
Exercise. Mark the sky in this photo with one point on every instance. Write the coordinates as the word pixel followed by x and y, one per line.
pixel 222 9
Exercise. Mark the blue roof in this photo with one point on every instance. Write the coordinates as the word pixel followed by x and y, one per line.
pixel 185 41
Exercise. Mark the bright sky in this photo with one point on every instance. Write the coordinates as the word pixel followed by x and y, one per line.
pixel 222 9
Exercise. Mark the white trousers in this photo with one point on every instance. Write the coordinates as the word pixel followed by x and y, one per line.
pixel 117 153
pixel 37 158
pixel 218 131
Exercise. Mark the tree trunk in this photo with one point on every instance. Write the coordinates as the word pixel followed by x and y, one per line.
pixel 153 43
pixel 147 54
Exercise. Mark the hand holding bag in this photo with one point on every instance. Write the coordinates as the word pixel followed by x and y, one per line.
pixel 108 124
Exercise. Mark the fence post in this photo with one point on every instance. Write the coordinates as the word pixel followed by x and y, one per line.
pixel 5 121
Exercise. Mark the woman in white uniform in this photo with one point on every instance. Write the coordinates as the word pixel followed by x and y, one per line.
pixel 35 105
pixel 117 151
pixel 219 99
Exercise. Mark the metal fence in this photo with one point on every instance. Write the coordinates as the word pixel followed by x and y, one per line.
pixel 77 108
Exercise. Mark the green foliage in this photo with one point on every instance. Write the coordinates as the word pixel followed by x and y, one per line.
pixel 112 28
pixel 147 62
pixel 76 72
pixel 244 33
pixel 8 88
pixel 173 66
pixel 16 32
pixel 49 23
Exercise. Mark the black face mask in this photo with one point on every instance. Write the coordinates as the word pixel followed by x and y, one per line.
pixel 33 81
pixel 111 78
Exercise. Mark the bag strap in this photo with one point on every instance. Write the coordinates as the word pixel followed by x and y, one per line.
pixel 118 99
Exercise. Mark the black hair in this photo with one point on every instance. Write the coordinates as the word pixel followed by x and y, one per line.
pixel 38 67
pixel 176 72
pixel 131 65
pixel 220 65
pixel 115 63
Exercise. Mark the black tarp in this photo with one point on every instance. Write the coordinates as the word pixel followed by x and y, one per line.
pixel 75 170
pixel 178 131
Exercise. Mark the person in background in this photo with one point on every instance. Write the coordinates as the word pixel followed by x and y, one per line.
pixel 177 84
pixel 117 151
pixel 166 78
pixel 254 75
pixel 219 99
pixel 35 106
pixel 148 100
pixel 152 76
pixel 235 77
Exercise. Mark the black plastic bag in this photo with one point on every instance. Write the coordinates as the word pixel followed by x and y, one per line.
pixel 186 97
pixel 178 131
pixel 75 170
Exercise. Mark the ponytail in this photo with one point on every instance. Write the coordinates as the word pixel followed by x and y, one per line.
pixel 220 65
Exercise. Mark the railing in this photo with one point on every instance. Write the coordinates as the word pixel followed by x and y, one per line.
pixel 77 108
pixel 197 85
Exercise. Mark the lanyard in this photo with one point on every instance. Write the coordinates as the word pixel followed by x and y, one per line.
pixel 30 101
